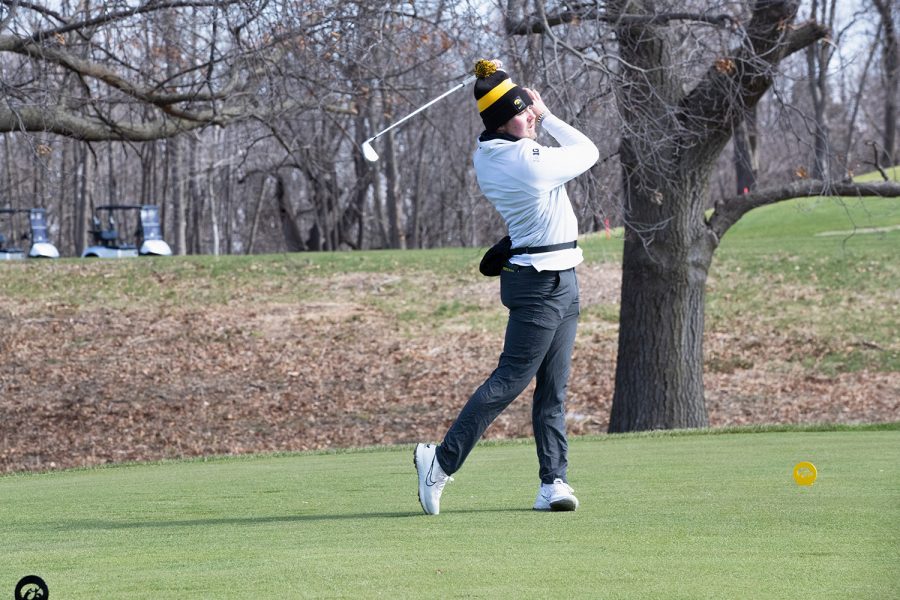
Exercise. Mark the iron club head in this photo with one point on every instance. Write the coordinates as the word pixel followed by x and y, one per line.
pixel 368 151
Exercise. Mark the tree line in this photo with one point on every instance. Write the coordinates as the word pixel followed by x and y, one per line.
pixel 243 119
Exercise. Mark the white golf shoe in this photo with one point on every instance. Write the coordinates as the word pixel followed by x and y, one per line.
pixel 432 478
pixel 556 496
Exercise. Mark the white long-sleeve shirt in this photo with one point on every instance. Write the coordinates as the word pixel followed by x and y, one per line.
pixel 525 182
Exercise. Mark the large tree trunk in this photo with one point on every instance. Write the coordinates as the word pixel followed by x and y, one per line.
pixel 659 384
pixel 672 137
pixel 659 370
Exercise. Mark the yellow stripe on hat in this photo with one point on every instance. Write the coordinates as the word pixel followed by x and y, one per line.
pixel 492 96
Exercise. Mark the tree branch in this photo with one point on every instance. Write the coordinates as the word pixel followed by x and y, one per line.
pixel 10 15
pixel 67 122
pixel 728 211
pixel 92 129
pixel 189 101
pixel 579 12
pixel 106 18
pixel 106 75
pixel 735 83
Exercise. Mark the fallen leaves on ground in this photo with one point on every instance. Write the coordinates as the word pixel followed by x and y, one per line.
pixel 85 386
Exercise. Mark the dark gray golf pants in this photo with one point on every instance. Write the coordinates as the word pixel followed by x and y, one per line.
pixel 543 316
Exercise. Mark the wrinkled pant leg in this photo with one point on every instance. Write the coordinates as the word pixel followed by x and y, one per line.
pixel 538 305
pixel 523 352
pixel 548 412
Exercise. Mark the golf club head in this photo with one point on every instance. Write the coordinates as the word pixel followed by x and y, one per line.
pixel 369 152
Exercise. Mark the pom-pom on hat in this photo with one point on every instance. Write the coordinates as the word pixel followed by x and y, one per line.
pixel 499 99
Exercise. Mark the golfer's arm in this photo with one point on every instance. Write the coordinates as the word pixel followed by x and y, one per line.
pixel 575 155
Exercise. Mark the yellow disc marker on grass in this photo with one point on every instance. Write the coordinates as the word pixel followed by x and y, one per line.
pixel 805 473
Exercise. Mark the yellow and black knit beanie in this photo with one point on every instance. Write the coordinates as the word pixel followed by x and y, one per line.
pixel 499 99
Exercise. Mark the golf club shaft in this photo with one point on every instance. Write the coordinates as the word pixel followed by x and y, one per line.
pixel 467 81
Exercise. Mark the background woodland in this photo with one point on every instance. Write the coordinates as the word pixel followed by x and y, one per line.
pixel 243 119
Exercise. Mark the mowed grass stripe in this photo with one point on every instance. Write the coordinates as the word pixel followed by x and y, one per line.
pixel 687 516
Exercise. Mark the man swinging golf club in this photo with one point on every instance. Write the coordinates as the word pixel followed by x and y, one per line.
pixel 525 182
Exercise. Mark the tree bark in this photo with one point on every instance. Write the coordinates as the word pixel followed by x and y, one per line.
pixel 293 239
pixel 84 196
pixel 396 234
pixel 659 375
pixel 746 156
pixel 671 141
pixel 892 79
pixel 667 253
pixel 213 211
pixel 176 192
pixel 256 214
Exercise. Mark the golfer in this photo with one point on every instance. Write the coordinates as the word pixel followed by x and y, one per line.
pixel 525 181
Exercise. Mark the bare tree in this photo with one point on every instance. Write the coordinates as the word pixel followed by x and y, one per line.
pixel 681 95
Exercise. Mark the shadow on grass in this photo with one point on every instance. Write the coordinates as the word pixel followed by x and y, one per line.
pixel 97 524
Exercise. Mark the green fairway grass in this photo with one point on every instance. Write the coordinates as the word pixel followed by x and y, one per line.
pixel 816 268
pixel 662 516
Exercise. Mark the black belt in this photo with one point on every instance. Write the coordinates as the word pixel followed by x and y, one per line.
pixel 517 268
pixel 541 249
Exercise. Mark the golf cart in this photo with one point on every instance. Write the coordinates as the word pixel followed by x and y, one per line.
pixel 110 225
pixel 12 232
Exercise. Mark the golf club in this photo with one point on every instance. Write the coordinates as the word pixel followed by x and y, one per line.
pixel 367 149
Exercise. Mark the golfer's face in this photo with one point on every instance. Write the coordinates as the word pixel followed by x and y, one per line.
pixel 522 125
